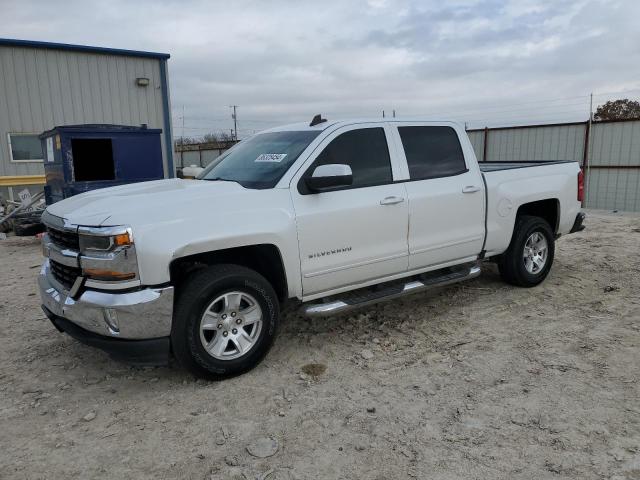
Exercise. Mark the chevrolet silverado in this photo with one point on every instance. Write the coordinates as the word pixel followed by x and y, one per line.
pixel 337 215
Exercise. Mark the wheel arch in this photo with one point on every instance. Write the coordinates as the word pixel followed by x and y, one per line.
pixel 264 258
pixel 547 209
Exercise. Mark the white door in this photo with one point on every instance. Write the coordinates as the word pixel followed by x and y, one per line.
pixel 446 196
pixel 356 234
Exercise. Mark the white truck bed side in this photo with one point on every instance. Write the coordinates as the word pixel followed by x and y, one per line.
pixel 509 188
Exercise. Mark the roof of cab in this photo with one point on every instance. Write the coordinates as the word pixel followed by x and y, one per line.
pixel 305 126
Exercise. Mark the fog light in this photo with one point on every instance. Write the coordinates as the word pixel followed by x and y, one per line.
pixel 111 319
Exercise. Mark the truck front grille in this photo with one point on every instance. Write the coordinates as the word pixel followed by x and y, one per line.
pixel 63 274
pixel 64 239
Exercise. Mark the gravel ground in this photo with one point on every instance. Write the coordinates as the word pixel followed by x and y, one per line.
pixel 478 380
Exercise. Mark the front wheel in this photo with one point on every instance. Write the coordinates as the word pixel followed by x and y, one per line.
pixel 225 321
pixel 529 257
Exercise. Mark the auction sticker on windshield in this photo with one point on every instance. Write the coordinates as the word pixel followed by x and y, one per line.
pixel 271 157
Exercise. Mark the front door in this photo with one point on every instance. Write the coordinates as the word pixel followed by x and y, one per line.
pixel 357 234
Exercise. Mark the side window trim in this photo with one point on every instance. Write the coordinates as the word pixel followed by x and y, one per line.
pixel 310 162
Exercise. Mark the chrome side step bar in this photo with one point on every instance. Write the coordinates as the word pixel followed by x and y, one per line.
pixel 363 297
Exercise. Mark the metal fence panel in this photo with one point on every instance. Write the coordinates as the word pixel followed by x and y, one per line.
pixel 558 142
pixel 476 137
pixel 613 189
pixel 209 156
pixel 616 143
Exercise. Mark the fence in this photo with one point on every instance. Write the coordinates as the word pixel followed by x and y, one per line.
pixel 609 152
pixel 199 154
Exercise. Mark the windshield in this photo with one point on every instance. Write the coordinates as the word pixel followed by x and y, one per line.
pixel 259 161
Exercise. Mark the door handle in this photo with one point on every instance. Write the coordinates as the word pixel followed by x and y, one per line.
pixel 391 200
pixel 470 189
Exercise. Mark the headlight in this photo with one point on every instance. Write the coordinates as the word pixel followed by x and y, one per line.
pixel 108 254
pixel 104 243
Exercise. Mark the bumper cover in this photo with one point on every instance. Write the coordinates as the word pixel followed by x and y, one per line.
pixel 133 315
pixel 154 351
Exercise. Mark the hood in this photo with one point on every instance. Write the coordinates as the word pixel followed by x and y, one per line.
pixel 146 202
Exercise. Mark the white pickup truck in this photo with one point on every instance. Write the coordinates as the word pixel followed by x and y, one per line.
pixel 334 214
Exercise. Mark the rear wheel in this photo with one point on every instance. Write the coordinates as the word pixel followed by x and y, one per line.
pixel 225 321
pixel 529 257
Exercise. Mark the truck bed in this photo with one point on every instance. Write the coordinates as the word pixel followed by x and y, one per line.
pixel 495 166
pixel 509 184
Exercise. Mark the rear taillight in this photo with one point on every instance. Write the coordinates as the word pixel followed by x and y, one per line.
pixel 581 186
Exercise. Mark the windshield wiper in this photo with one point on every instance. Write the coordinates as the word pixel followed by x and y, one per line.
pixel 220 179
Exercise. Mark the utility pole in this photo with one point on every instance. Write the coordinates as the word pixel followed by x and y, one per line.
pixel 394 113
pixel 183 124
pixel 182 140
pixel 588 148
pixel 234 115
pixel 382 113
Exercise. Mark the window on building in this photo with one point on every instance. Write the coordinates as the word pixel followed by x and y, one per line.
pixel 25 147
pixel 365 150
pixel 432 152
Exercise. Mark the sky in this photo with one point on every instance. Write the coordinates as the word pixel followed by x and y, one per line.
pixel 483 62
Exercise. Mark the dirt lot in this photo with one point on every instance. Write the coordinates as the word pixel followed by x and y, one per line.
pixel 478 380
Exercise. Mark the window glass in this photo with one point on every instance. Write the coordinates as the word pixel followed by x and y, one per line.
pixel 25 147
pixel 365 150
pixel 260 161
pixel 432 152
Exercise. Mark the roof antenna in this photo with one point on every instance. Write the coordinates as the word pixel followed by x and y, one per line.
pixel 317 120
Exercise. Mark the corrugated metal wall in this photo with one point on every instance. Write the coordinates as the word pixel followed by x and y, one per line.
pixel 200 158
pixel 613 180
pixel 43 88
pixel 613 183
pixel 200 154
pixel 477 141
pixel 538 143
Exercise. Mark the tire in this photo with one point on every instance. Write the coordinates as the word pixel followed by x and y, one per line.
pixel 238 289
pixel 526 268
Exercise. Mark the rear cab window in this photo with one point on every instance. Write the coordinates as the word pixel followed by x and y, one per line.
pixel 365 150
pixel 432 151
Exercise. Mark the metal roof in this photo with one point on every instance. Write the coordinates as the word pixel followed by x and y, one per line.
pixel 10 42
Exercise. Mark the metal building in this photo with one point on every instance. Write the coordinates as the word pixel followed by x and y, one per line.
pixel 43 85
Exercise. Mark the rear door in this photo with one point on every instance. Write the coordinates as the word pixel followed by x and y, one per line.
pixel 446 195
pixel 357 234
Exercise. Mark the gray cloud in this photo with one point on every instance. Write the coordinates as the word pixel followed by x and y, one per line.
pixel 484 61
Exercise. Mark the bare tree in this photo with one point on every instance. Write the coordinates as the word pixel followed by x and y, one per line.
pixel 217 137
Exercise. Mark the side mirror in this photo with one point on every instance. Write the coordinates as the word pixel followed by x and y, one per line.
pixel 327 177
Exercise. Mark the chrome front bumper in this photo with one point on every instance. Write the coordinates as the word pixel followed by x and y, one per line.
pixel 139 314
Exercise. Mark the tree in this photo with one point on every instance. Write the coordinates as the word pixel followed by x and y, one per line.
pixel 218 137
pixel 618 110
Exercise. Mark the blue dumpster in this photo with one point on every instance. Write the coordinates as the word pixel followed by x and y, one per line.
pixel 79 158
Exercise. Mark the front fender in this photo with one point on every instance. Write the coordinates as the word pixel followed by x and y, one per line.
pixel 158 246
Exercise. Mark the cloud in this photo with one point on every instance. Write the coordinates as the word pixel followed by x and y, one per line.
pixel 281 61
